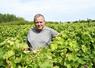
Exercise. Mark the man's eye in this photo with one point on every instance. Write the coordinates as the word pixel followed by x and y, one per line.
pixel 39 22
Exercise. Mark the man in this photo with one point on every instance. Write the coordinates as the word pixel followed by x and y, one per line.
pixel 40 36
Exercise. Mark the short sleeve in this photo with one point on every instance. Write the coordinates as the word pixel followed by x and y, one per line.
pixel 53 32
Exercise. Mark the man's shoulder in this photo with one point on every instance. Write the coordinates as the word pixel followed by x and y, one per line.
pixel 52 31
pixel 48 28
pixel 32 29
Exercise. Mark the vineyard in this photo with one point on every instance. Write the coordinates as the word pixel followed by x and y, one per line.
pixel 74 47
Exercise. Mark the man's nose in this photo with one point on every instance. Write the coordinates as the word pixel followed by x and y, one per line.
pixel 39 23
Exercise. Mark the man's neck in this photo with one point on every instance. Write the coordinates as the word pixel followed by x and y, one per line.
pixel 39 30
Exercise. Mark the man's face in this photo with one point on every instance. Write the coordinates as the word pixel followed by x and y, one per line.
pixel 39 23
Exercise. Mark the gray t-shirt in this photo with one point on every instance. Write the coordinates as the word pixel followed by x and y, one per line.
pixel 42 38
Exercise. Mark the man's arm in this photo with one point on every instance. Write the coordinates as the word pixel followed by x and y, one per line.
pixel 54 33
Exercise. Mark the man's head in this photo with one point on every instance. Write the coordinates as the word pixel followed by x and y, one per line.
pixel 39 21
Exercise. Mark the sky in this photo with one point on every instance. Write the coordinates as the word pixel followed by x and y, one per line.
pixel 53 10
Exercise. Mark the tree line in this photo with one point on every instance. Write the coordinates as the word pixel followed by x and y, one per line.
pixel 9 17
pixel 83 21
pixel 6 18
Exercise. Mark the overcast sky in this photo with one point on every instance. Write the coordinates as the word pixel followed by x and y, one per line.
pixel 53 10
